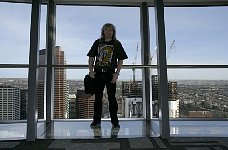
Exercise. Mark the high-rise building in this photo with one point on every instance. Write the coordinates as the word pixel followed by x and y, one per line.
pixel 23 105
pixel 41 83
pixel 61 106
pixel 67 100
pixel 40 97
pixel 84 105
pixel 131 89
pixel 132 95
pixel 9 103
pixel 72 106
pixel 173 102
pixel 155 101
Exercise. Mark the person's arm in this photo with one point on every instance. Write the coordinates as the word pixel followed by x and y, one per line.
pixel 117 73
pixel 91 72
pixel 119 66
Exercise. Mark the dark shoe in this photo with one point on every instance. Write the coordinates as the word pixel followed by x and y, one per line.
pixel 116 125
pixel 114 132
pixel 97 132
pixel 95 125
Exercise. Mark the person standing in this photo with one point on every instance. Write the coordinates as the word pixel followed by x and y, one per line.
pixel 105 62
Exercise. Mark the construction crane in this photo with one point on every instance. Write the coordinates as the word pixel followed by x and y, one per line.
pixel 172 45
pixel 170 48
pixel 151 58
pixel 134 62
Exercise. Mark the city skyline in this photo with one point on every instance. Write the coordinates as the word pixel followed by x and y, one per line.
pixel 200 37
pixel 192 98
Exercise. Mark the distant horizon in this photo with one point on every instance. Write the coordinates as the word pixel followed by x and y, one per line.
pixel 136 80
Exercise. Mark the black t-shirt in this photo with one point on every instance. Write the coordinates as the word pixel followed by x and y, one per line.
pixel 107 53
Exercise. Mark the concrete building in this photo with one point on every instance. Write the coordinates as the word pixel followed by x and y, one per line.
pixel 132 97
pixel 72 106
pixel 9 103
pixel 23 104
pixel 61 103
pixel 84 105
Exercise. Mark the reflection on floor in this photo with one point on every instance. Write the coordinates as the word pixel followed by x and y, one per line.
pixel 133 134
pixel 75 129
pixel 82 130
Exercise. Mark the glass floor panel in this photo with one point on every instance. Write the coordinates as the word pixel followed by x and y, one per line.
pixel 70 129
pixel 17 131
pixel 199 128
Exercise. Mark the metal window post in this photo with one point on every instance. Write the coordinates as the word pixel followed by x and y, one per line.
pixel 162 70
pixel 50 46
pixel 32 113
pixel 145 54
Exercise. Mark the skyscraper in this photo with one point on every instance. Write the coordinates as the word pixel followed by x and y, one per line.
pixel 72 106
pixel 61 106
pixel 155 101
pixel 84 105
pixel 132 94
pixel 131 89
pixel 41 83
pixel 173 102
pixel 23 105
pixel 9 103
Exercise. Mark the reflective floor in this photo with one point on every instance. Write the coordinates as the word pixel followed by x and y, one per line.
pixel 74 129
pixel 199 128
pixel 71 130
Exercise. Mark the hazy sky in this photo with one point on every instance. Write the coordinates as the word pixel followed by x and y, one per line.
pixel 200 34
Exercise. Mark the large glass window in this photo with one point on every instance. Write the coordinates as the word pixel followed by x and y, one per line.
pixel 153 43
pixel 79 26
pixel 14 42
pixel 72 102
pixel 13 94
pixel 196 35
pixel 15 45
pixel 198 93
pixel 15 29
pixel 75 36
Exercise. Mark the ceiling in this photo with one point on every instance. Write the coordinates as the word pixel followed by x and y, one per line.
pixel 133 2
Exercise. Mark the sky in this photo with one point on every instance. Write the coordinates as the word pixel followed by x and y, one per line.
pixel 200 35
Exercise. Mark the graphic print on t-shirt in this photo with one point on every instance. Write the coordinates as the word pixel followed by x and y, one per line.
pixel 104 56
